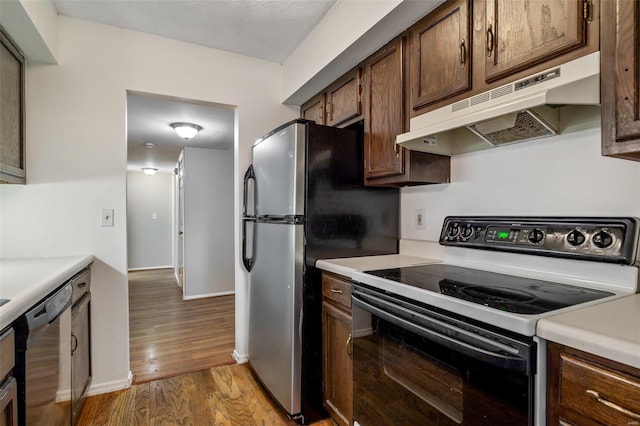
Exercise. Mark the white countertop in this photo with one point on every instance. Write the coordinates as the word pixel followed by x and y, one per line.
pixel 347 266
pixel 610 330
pixel 27 281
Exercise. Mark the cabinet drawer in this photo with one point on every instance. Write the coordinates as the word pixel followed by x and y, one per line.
pixel 598 393
pixel 7 345
pixel 337 289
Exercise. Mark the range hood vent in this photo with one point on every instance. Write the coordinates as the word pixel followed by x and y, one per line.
pixel 524 110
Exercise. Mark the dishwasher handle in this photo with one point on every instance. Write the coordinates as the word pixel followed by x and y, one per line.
pixel 47 311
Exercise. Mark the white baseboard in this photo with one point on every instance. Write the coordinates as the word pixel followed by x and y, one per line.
pixel 240 359
pixel 63 395
pixel 116 385
pixel 202 296
pixel 148 268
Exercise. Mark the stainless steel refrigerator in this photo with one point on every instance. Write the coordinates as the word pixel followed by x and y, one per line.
pixel 304 199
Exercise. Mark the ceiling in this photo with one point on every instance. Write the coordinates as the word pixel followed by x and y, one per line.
pixel 149 119
pixel 264 29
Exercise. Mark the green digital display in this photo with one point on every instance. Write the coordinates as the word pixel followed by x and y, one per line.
pixel 503 235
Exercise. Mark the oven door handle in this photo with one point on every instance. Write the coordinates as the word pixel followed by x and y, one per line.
pixel 513 363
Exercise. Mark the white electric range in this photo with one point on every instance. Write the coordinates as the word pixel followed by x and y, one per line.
pixel 470 321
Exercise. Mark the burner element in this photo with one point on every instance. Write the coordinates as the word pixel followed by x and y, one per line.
pixel 552 288
pixel 500 291
pixel 498 294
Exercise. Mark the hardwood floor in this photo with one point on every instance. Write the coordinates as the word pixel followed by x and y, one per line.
pixel 169 336
pixel 226 395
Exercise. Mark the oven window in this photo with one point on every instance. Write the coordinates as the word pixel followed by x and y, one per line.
pixel 403 379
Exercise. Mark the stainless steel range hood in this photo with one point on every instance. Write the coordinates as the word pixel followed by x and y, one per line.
pixel 529 108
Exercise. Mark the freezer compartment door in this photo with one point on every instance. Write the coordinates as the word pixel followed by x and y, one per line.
pixel 275 311
pixel 279 172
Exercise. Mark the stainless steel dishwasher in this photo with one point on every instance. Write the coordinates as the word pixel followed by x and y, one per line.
pixel 38 354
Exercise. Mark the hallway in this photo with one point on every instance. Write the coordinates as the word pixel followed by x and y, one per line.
pixel 169 336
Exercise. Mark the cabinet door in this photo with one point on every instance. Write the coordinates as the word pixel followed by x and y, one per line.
pixel 343 99
pixel 80 353
pixel 620 78
pixel 585 389
pixel 439 59
pixel 523 33
pixel 12 167
pixel 384 112
pixel 314 109
pixel 337 364
pixel 9 402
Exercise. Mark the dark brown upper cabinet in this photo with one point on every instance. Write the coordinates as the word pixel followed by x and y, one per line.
pixel 440 54
pixel 384 115
pixel 508 40
pixel 12 112
pixel 521 34
pixel 342 99
pixel 620 79
pixel 386 163
pixel 314 109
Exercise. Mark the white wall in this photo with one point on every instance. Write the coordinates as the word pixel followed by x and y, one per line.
pixel 563 175
pixel 149 239
pixel 208 212
pixel 76 157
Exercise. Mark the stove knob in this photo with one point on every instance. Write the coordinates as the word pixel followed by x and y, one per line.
pixel 536 236
pixel 453 231
pixel 466 232
pixel 575 238
pixel 602 239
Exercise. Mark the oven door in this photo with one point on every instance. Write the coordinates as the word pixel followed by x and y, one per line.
pixel 413 365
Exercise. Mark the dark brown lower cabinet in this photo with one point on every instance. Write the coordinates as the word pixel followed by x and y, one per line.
pixel 337 376
pixel 585 389
pixel 80 353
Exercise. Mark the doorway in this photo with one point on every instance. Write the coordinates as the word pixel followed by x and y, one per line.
pixel 179 217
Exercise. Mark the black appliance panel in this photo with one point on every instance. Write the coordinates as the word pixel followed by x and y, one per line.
pixel 601 239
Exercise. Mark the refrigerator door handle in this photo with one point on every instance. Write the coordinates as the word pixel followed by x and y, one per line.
pixel 248 261
pixel 248 175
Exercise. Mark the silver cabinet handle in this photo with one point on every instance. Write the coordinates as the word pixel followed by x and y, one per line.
pixel 349 345
pixel 489 41
pixel 335 290
pixel 74 343
pixel 610 404
pixel 463 53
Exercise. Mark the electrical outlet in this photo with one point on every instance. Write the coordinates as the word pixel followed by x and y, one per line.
pixel 106 217
pixel 420 220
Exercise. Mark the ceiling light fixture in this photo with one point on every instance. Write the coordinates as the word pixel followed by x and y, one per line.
pixel 149 171
pixel 186 130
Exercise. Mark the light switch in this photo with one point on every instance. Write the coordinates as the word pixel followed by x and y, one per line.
pixel 154 216
pixel 106 217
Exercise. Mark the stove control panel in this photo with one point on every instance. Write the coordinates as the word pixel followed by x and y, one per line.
pixel 612 240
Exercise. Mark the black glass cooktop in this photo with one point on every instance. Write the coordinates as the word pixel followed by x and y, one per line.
pixel 505 292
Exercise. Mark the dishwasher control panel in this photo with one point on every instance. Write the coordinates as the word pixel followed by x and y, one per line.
pixel 613 240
